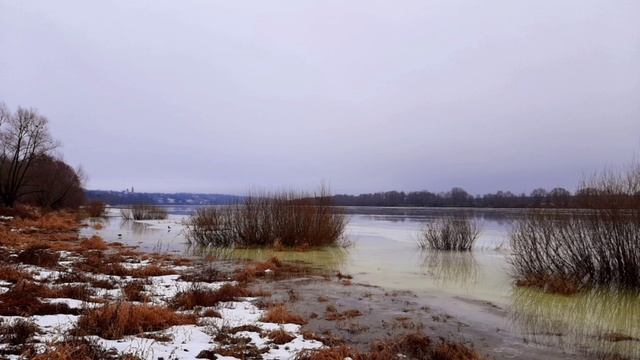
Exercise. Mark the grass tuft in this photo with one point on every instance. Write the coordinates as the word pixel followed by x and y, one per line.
pixel 113 321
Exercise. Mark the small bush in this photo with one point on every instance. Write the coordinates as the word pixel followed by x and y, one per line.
pixel 144 212
pixel 450 234
pixel 93 243
pixel 286 219
pixel 95 209
pixel 114 321
pixel 280 337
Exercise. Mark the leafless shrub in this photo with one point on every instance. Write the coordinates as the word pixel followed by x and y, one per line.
pixel 144 212
pixel 95 209
pixel 288 219
pixel 599 246
pixel 450 233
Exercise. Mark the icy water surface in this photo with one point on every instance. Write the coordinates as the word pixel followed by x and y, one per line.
pixel 383 251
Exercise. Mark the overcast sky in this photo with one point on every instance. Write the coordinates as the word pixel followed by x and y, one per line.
pixel 220 96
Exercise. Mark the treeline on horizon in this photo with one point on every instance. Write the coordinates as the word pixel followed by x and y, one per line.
pixel 458 197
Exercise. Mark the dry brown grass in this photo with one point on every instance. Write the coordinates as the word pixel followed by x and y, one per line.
pixel 17 332
pixel 79 349
pixel 13 274
pixel 114 321
pixel 93 243
pixel 58 221
pixel 278 270
pixel 22 300
pixel 40 255
pixel 412 346
pixel 197 296
pixel 280 315
pixel 280 337
pixel 134 291
pixel 150 270
pixel 332 314
pixel 454 351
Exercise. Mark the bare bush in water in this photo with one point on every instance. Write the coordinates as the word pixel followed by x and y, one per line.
pixel 450 233
pixel 144 212
pixel 599 246
pixel 288 219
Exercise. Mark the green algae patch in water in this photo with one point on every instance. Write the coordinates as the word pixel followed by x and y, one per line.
pixel 596 321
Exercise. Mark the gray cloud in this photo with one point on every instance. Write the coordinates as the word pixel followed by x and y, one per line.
pixel 366 95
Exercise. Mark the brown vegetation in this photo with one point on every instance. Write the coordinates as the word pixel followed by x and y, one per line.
pixel 280 315
pixel 134 291
pixel 79 349
pixel 114 321
pixel 95 209
pixel 596 247
pixel 450 234
pixel 198 296
pixel 13 274
pixel 144 212
pixel 22 300
pixel 280 337
pixel 412 346
pixel 93 243
pixel 286 219
pixel 17 332
pixel 39 255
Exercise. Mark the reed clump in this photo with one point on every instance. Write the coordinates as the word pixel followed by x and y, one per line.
pixel 144 212
pixel 595 247
pixel 450 234
pixel 285 219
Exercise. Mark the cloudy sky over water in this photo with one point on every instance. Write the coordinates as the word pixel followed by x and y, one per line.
pixel 220 96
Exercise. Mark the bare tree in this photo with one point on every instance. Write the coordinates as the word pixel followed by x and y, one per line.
pixel 24 137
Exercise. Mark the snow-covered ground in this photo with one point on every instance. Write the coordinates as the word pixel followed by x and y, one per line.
pixel 186 341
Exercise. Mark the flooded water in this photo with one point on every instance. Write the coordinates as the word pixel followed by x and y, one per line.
pixel 383 251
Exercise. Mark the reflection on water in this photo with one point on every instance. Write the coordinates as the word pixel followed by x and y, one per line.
pixel 450 267
pixel 331 258
pixel 599 321
pixel 384 253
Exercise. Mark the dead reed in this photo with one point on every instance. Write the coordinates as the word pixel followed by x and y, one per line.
pixel 285 219
pixel 144 212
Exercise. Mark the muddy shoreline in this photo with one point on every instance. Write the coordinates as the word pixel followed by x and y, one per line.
pixel 389 313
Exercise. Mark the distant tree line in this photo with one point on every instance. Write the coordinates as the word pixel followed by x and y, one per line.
pixel 30 172
pixel 133 198
pixel 458 197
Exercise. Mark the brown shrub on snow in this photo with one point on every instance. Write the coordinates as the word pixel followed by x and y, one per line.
pixel 80 349
pixel 280 337
pixel 22 300
pixel 13 274
pixel 93 243
pixel 39 255
pixel 113 321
